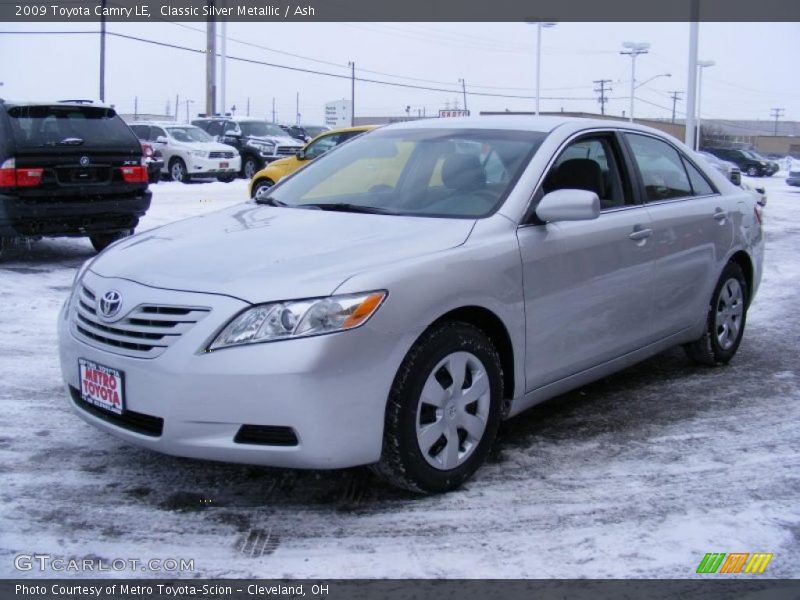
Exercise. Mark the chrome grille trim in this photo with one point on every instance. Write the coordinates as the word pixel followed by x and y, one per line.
pixel 286 150
pixel 144 332
pixel 220 155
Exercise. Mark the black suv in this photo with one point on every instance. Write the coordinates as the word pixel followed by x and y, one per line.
pixel 69 168
pixel 259 142
pixel 746 160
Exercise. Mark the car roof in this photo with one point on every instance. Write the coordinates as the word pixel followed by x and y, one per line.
pixel 73 103
pixel 162 123
pixel 541 124
pixel 349 129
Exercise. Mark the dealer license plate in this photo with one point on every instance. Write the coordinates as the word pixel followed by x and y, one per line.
pixel 101 386
pixel 223 165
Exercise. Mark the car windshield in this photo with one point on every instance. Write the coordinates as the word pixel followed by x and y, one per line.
pixel 461 173
pixel 261 129
pixel 754 155
pixel 189 134
pixel 314 130
pixel 39 126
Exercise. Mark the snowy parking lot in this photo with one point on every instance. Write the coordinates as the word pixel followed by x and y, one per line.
pixel 638 475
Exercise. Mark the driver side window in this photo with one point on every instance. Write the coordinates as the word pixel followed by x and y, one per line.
pixel 591 164
pixel 320 147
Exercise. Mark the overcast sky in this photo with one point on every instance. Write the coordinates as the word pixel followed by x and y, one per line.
pixel 756 66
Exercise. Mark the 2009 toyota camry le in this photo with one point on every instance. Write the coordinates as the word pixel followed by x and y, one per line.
pixel 392 302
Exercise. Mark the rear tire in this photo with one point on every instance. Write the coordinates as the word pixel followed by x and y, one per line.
pixel 101 241
pixel 177 170
pixel 443 410
pixel 725 322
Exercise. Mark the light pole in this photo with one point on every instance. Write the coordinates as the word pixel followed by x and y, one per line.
pixel 646 81
pixel 701 64
pixel 539 26
pixel 634 49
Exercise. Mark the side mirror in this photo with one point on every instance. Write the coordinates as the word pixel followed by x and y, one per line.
pixel 569 205
pixel 301 154
pixel 232 133
pixel 162 139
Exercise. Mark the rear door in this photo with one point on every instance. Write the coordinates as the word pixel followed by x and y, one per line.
pixel 588 284
pixel 693 230
pixel 81 149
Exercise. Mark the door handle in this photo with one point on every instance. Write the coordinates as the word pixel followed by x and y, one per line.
pixel 640 234
pixel 720 214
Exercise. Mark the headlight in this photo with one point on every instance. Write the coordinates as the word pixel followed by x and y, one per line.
pixel 298 318
pixel 265 148
pixel 200 153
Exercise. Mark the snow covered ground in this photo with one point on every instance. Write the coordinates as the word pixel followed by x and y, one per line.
pixel 638 475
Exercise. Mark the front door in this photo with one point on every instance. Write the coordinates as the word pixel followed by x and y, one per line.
pixel 588 284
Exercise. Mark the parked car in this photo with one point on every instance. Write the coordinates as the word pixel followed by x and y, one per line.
pixel 259 142
pixel 304 133
pixel 772 165
pixel 793 178
pixel 69 169
pixel 274 172
pixel 752 165
pixel 189 152
pixel 154 161
pixel 412 289
pixel 727 168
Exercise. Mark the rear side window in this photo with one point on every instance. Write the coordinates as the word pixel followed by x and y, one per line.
pixel 43 126
pixel 663 173
pixel 700 186
pixel 141 131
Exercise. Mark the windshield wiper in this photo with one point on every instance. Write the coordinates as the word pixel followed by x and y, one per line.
pixel 270 201
pixel 345 207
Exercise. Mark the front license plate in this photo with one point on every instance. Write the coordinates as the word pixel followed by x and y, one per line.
pixel 223 165
pixel 102 386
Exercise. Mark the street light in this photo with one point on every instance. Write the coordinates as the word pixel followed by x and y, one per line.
pixel 652 78
pixel 539 26
pixel 701 64
pixel 634 49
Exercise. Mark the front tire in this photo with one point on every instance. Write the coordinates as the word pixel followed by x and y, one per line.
pixel 249 167
pixel 101 241
pixel 727 315
pixel 443 410
pixel 752 171
pixel 262 187
pixel 177 171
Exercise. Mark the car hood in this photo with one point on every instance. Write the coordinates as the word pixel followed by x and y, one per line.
pixel 208 146
pixel 277 140
pixel 261 253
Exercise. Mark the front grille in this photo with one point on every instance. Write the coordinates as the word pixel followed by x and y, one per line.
pixel 220 155
pixel 130 420
pixel 286 150
pixel 145 332
pixel 266 435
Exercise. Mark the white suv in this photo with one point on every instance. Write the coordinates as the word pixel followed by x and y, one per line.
pixel 189 151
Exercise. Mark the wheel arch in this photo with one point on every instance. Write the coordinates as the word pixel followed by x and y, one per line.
pixel 488 322
pixel 745 263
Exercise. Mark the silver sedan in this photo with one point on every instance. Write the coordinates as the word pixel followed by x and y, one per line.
pixel 392 302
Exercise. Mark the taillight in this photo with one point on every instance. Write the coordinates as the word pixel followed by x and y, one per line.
pixel 148 150
pixel 10 176
pixel 134 174
pixel 757 212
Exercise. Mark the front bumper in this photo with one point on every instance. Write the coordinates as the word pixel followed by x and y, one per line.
pixel 212 167
pixel 330 390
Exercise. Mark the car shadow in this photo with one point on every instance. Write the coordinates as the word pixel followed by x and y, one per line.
pixel 37 254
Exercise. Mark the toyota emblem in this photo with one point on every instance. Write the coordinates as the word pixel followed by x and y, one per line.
pixel 110 304
pixel 84 161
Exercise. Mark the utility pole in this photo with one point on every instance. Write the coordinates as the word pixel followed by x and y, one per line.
pixel 136 108
pixel 273 109
pixel 464 91
pixel 248 106
pixel 602 91
pixel 211 64
pixel 103 52
pixel 352 66
pixel 675 97
pixel 297 109
pixel 777 113
pixel 188 117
